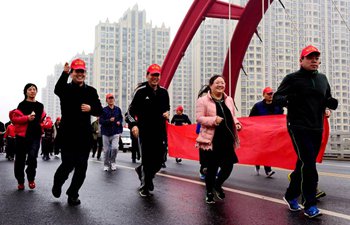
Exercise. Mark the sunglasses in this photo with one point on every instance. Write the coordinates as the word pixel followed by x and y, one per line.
pixel 80 71
pixel 271 93
pixel 110 97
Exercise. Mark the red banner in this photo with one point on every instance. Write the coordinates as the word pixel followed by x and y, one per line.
pixel 264 140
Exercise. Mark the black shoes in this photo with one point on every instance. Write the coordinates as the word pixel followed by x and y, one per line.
pixel 219 192
pixel 210 198
pixel 56 191
pixel 73 201
pixel 145 193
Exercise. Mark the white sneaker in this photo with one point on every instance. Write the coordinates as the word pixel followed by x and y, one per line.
pixel 269 174
pixel 114 166
pixel 106 168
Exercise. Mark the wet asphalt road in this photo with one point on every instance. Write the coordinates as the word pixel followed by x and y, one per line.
pixel 112 197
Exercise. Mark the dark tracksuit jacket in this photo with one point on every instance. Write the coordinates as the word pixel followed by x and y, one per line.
pixel 306 94
pixel 148 106
pixel 76 130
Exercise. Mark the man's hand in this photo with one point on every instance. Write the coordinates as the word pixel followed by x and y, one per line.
pixel 327 113
pixel 166 115
pixel 66 67
pixel 135 131
pixel 112 119
pixel 85 108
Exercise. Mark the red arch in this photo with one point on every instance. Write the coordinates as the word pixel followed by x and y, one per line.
pixel 248 16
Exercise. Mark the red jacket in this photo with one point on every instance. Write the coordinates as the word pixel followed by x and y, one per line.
pixel 10 131
pixel 21 121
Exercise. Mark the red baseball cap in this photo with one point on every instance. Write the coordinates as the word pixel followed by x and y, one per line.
pixel 308 50
pixel 109 95
pixel 154 68
pixel 180 108
pixel 78 64
pixel 58 118
pixel 267 90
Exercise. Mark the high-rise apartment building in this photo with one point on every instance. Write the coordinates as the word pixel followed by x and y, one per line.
pixel 284 33
pixel 204 57
pixel 123 52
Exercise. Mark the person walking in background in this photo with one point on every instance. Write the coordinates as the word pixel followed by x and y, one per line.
pixel 111 122
pixel 218 136
pixel 27 119
pixel 307 95
pixel 180 119
pixel 97 139
pixel 57 145
pixel 150 105
pixel 2 132
pixel 79 102
pixel 263 108
pixel 10 136
pixel 47 139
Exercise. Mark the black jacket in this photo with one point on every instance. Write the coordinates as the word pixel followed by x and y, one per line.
pixel 76 125
pixel 148 106
pixel 306 94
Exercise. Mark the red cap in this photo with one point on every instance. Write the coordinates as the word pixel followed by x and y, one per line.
pixel 78 64
pixel 58 118
pixel 267 90
pixel 109 95
pixel 180 108
pixel 308 50
pixel 154 68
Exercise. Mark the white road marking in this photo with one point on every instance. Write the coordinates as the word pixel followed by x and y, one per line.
pixel 262 197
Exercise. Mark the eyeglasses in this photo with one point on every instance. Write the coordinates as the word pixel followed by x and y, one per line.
pixel 155 74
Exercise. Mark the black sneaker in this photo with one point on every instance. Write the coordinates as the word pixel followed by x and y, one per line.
pixel 219 192
pixel 56 191
pixel 163 165
pixel 210 198
pixel 178 160
pixel 145 193
pixel 73 201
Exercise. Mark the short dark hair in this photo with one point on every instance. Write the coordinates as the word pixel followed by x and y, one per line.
pixel 27 87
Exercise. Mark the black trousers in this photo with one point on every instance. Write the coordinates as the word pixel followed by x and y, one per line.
pixel 72 160
pixel 266 168
pixel 304 178
pixel 10 147
pixel 213 178
pixel 135 151
pixel 97 146
pixel 152 154
pixel 26 152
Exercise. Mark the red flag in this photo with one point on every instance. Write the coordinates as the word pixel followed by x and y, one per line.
pixel 264 140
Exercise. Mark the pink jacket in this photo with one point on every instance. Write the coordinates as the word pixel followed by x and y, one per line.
pixel 21 121
pixel 206 115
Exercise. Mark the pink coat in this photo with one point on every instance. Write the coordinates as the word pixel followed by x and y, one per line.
pixel 206 115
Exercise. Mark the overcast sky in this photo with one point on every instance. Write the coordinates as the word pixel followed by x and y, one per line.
pixel 37 34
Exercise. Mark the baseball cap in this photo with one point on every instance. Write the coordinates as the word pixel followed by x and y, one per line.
pixel 78 64
pixel 267 90
pixel 308 50
pixel 180 108
pixel 154 68
pixel 109 95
